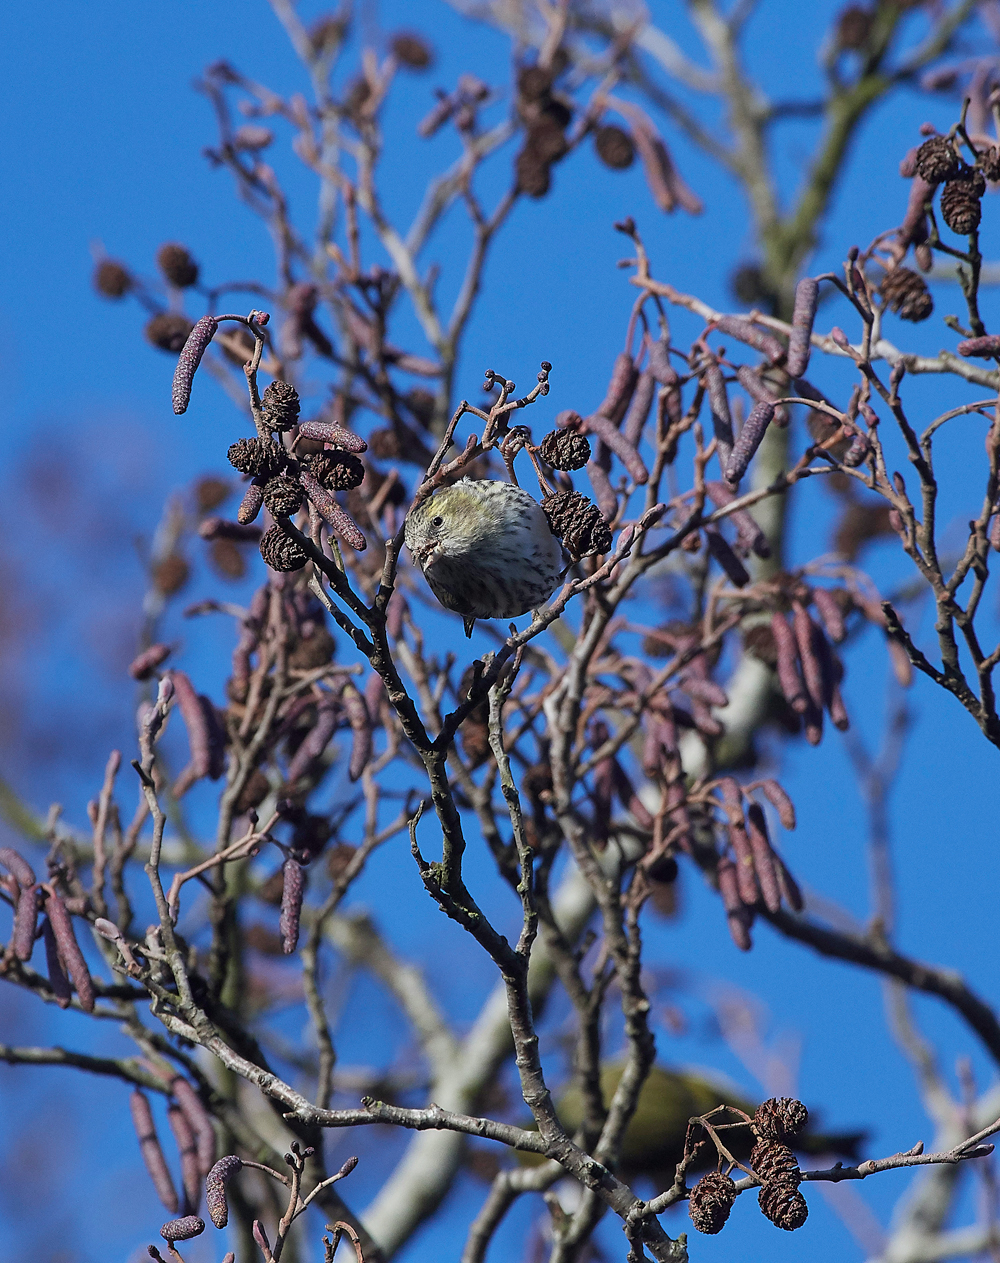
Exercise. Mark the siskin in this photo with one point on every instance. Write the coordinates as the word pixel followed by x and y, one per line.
pixel 486 550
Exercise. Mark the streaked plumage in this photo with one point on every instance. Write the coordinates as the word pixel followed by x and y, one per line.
pixel 486 550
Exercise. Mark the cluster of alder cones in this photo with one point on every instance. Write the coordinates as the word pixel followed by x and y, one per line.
pixel 774 1164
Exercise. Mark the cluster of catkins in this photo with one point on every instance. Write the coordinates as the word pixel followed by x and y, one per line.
pixel 776 1121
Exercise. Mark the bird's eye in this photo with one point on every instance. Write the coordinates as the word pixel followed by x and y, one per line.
pixel 438 521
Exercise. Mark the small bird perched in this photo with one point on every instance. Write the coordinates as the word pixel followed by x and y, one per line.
pixel 486 549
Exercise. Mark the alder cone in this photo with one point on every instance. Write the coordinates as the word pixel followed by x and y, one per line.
pixel 564 449
pixel 780 1117
pixel 783 1204
pixel 774 1161
pixel 905 292
pixel 960 208
pixel 169 331
pixel 936 160
pixel 280 551
pixel 614 147
pixel 577 521
pixel 711 1201
pixel 111 279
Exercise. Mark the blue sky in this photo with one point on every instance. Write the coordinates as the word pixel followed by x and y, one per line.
pixel 102 143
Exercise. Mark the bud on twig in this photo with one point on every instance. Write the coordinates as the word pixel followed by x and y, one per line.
pixel 750 438
pixel 292 889
pixel 803 315
pixel 152 1154
pixel 190 357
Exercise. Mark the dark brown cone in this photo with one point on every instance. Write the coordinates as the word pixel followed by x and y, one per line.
pixel 261 458
pixel 614 147
pixel 784 1205
pixel 169 331
pixel 990 163
pixel 960 208
pixel 337 471
pixel 177 266
pixel 111 279
pixel 280 551
pixel 384 443
pixel 283 496
pixel 905 293
pixel 227 559
pixel 532 173
pixel 314 651
pixel 936 160
pixel 533 83
pixel 854 25
pixel 281 405
pixel 562 449
pixel 711 1201
pixel 411 50
pixel 577 522
pixel 774 1161
pixel 253 792
pixel 171 574
pixel 780 1117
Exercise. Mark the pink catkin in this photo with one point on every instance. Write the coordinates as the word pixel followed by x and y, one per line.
pixel 327 432
pixel 190 357
pixel 604 493
pixel 188 1150
pixel 750 335
pixel 356 709
pixel 183 1229
pixel 58 981
pixel 788 663
pixel 251 503
pixel 830 612
pixel 803 315
pixel 220 528
pixel 152 1154
pixel 751 382
pixel 25 922
pixel 292 890
pixel 981 348
pixel 738 915
pixel 780 801
pixel 604 429
pixel 199 1120
pixel 746 880
pixel 332 513
pixel 638 412
pixel 69 951
pixel 789 886
pixel 195 722
pixel 750 536
pixel 750 438
pixel 143 666
pixel 624 378
pixel 215 1188
pixel 15 863
pixel 628 797
pixel 806 638
pixel 722 421
pixel 763 858
pixel 316 740
pixel 727 559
